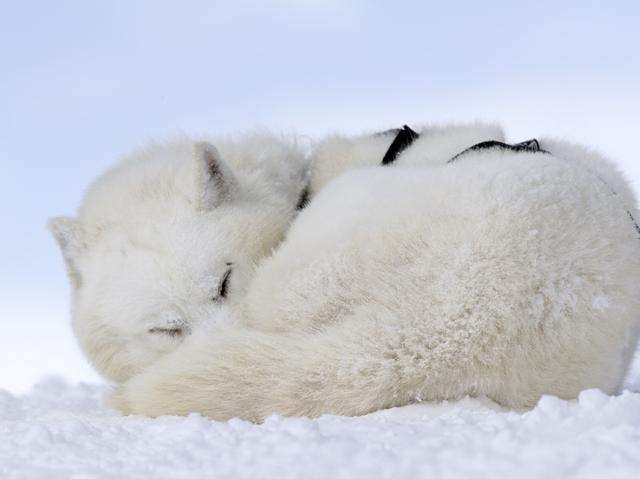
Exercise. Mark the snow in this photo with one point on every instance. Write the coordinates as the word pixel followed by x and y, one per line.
pixel 59 430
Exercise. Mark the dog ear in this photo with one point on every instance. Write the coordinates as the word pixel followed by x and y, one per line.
pixel 215 182
pixel 68 233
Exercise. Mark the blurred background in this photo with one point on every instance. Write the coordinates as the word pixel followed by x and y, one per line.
pixel 82 83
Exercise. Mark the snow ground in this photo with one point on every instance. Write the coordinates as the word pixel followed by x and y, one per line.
pixel 59 430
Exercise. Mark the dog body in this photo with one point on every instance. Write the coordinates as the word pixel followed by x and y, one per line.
pixel 510 274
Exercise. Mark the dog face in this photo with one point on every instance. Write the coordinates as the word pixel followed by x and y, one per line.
pixel 164 244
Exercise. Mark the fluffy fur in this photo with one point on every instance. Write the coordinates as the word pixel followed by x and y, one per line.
pixel 338 154
pixel 503 274
pixel 166 242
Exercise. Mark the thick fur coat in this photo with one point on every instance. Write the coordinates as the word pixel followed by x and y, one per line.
pixel 506 274
pixel 166 242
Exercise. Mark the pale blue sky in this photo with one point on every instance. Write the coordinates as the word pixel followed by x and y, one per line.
pixel 83 82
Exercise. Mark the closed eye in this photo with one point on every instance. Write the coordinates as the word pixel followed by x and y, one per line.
pixel 170 332
pixel 223 288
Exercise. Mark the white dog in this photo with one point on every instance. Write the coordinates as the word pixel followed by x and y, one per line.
pixel 508 272
pixel 167 240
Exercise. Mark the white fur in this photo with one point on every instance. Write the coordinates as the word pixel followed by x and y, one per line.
pixel 337 154
pixel 504 274
pixel 153 236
